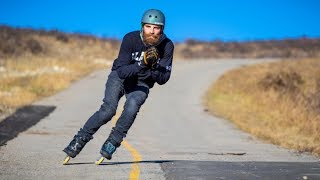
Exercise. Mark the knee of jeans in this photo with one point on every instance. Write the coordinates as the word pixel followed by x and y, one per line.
pixel 107 110
pixel 133 103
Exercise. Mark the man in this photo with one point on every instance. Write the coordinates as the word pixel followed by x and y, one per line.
pixel 145 58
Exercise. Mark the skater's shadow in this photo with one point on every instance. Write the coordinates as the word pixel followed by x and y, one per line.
pixel 119 163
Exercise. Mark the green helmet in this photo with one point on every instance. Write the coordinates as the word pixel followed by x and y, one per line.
pixel 153 16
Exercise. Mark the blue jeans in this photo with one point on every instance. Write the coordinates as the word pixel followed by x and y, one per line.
pixel 136 94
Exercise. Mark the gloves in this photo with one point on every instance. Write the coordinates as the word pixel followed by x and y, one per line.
pixel 151 56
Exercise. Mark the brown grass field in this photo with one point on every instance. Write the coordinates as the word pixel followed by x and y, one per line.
pixel 278 102
pixel 35 64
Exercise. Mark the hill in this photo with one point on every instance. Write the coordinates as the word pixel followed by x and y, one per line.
pixel 21 41
pixel 278 102
pixel 25 41
pixel 38 63
pixel 285 48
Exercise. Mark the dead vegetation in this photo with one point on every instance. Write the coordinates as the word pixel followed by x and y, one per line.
pixel 286 48
pixel 278 102
pixel 17 42
pixel 38 63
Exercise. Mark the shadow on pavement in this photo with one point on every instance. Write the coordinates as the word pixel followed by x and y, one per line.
pixel 21 120
pixel 119 163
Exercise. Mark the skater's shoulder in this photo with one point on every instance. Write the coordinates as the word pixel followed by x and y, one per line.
pixel 132 34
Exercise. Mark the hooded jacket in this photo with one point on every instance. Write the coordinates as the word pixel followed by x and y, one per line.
pixel 128 62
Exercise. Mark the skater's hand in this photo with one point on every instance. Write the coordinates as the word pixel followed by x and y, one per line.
pixel 151 57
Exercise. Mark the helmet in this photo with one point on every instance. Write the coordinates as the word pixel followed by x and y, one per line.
pixel 153 16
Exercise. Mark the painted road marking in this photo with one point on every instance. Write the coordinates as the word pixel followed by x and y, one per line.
pixel 135 169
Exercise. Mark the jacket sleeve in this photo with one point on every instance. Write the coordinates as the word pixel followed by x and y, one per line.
pixel 161 74
pixel 126 68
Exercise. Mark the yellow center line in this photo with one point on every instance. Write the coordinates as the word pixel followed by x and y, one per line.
pixel 135 169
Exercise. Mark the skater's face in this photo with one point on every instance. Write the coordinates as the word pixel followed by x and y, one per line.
pixel 151 33
pixel 152 29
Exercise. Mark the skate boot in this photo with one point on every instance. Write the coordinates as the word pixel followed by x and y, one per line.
pixel 74 148
pixel 106 151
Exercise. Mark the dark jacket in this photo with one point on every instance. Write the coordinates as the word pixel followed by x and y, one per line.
pixel 131 54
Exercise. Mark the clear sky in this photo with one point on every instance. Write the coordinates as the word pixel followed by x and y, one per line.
pixel 200 19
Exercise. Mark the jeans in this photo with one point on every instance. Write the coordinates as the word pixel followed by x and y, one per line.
pixel 136 94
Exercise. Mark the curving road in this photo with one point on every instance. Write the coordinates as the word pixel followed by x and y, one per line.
pixel 172 137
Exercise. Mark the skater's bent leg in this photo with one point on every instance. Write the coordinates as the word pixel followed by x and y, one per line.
pixel 113 92
pixel 135 100
pixel 99 118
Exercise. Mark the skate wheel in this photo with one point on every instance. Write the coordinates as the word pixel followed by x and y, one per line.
pixel 66 160
pixel 99 161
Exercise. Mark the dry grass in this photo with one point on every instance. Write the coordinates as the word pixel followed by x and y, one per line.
pixel 36 64
pixel 284 48
pixel 29 79
pixel 278 102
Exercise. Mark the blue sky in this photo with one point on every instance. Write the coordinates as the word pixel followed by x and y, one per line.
pixel 201 19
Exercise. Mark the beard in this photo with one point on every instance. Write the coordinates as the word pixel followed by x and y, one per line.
pixel 151 39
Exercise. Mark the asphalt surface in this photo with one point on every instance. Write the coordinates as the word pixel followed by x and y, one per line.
pixel 240 170
pixel 173 137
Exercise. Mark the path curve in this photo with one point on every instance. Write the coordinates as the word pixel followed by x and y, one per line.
pixel 173 134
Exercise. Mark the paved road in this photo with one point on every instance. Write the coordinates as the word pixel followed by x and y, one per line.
pixel 172 138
